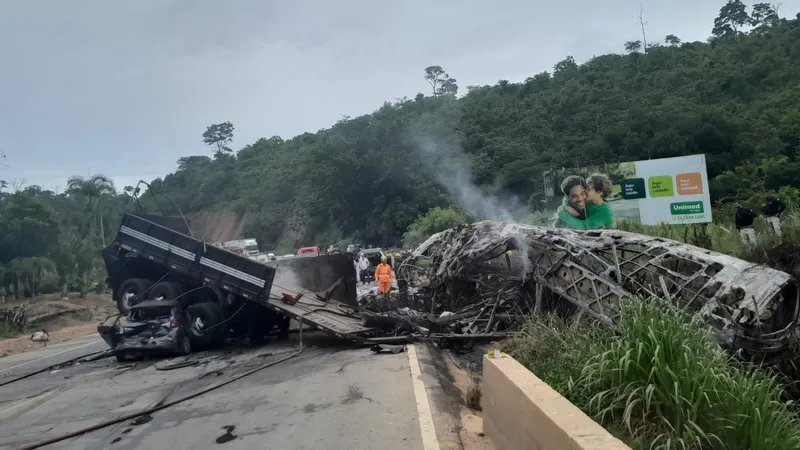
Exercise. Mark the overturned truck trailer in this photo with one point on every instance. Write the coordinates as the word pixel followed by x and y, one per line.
pixel 751 307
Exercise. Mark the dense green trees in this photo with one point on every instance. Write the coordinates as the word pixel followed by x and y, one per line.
pixel 91 192
pixel 433 221
pixel 366 179
pixel 50 242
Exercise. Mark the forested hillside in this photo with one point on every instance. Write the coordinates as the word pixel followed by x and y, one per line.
pixel 735 98
pixel 50 242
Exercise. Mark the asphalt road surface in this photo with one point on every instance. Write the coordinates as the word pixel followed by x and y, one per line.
pixel 330 396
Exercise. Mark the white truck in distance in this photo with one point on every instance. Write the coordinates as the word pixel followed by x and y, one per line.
pixel 246 247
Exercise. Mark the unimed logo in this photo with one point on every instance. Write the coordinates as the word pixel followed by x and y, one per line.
pixel 686 208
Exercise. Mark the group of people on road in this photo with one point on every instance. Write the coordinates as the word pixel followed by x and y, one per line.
pixel 584 206
pixel 745 218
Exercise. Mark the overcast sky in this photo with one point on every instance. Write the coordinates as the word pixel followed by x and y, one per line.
pixel 125 88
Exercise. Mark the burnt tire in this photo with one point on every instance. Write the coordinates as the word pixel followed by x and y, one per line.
pixel 167 289
pixel 185 345
pixel 204 320
pixel 131 292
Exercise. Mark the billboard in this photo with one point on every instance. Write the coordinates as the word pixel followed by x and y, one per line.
pixel 667 190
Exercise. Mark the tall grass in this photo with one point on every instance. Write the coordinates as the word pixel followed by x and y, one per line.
pixel 659 380
pixel 722 232
pixel 782 253
pixel 6 331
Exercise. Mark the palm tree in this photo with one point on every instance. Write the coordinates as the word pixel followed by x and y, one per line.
pixel 92 189
pixel 633 46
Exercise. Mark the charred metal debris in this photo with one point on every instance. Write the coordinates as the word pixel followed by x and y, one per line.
pixel 482 280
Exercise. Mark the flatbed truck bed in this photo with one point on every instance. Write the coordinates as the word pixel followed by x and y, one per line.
pixel 153 257
pixel 330 316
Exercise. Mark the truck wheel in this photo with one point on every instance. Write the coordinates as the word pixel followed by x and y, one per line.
pixel 132 291
pixel 204 319
pixel 185 345
pixel 165 290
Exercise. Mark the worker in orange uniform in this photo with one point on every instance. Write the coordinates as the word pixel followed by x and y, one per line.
pixel 383 274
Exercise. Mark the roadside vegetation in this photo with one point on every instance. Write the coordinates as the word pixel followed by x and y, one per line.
pixel 50 242
pixel 435 220
pixel 658 380
pixel 7 331
pixel 780 253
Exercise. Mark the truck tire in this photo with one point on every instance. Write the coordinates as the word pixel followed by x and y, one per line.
pixel 185 345
pixel 166 289
pixel 204 319
pixel 132 291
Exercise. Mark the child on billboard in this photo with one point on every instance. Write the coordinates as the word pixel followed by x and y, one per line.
pixel 598 214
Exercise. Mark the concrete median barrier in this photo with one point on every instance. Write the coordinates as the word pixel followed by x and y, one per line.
pixel 520 411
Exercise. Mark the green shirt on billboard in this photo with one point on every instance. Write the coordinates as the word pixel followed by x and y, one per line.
pixel 597 216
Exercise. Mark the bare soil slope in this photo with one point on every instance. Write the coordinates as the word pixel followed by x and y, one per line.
pixel 62 318
pixel 219 225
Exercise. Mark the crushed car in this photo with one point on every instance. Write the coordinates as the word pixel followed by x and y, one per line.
pixel 154 327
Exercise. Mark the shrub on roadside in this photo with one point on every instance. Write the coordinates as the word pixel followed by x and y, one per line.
pixel 7 331
pixel 474 394
pixel 554 349
pixel 660 378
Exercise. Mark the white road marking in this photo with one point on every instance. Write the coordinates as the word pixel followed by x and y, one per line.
pixel 429 440
pixel 50 356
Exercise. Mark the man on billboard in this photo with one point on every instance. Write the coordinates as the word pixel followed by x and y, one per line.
pixel 574 189
pixel 598 213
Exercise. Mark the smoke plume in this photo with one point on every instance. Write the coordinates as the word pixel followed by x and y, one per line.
pixel 450 166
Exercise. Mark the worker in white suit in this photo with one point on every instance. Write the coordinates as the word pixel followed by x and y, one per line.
pixel 361 266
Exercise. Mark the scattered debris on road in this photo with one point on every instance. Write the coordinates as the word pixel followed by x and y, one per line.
pixel 94 356
pixel 380 348
pixel 227 436
pixel 178 365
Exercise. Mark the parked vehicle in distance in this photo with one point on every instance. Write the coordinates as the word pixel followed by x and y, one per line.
pixel 153 327
pixel 245 247
pixel 308 252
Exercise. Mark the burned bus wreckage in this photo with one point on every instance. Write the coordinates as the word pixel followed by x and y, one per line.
pixel 485 278
pixel 469 283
